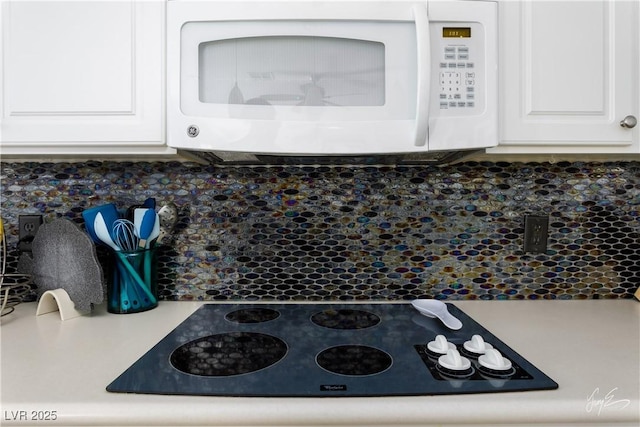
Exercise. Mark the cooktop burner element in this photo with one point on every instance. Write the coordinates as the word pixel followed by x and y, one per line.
pixel 252 315
pixel 354 360
pixel 234 353
pixel 345 319
pixel 327 350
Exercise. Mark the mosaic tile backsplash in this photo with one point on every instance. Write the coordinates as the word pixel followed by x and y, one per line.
pixel 362 233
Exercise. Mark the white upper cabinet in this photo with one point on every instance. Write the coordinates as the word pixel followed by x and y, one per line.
pixel 82 77
pixel 569 75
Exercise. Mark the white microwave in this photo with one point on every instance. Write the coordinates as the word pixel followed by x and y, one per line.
pixel 331 78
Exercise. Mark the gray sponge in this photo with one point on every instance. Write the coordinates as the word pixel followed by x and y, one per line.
pixel 65 257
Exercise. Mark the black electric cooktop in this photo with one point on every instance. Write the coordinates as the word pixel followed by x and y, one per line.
pixel 321 350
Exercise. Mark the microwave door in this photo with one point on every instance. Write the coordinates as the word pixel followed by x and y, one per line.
pixel 337 87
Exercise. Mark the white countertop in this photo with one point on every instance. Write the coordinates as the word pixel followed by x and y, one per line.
pixel 59 369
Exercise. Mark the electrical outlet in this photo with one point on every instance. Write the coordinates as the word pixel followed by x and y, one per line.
pixel 536 230
pixel 29 225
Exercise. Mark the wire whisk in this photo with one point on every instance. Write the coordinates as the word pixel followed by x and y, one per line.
pixel 124 235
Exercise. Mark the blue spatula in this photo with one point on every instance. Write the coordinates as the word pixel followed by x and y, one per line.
pixel 144 221
pixel 109 214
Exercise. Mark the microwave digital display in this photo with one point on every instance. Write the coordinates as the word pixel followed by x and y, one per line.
pixel 457 32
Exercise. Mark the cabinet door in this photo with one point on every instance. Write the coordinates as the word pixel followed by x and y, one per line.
pixel 569 76
pixel 83 77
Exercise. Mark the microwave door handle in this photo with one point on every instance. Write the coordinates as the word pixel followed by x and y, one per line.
pixel 424 73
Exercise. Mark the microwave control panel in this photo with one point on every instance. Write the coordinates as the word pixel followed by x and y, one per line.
pixel 458 68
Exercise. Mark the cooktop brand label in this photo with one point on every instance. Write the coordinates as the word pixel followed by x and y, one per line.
pixel 333 387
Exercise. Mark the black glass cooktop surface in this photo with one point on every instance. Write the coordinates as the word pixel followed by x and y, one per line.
pixel 321 350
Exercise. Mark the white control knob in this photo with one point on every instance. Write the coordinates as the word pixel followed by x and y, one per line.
pixel 453 361
pixel 492 359
pixel 440 345
pixel 477 345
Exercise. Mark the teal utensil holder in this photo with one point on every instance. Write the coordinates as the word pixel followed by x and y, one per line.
pixel 133 285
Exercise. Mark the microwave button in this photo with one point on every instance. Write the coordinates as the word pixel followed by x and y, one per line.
pixel 452 104
pixel 450 77
pixel 470 65
pixel 443 65
pixel 463 56
pixel 471 96
pixel 471 89
pixel 463 49
pixel 444 105
pixel 449 49
pixel 471 104
pixel 449 56
pixel 471 75
pixel 443 95
pixel 453 65
pixel 462 104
